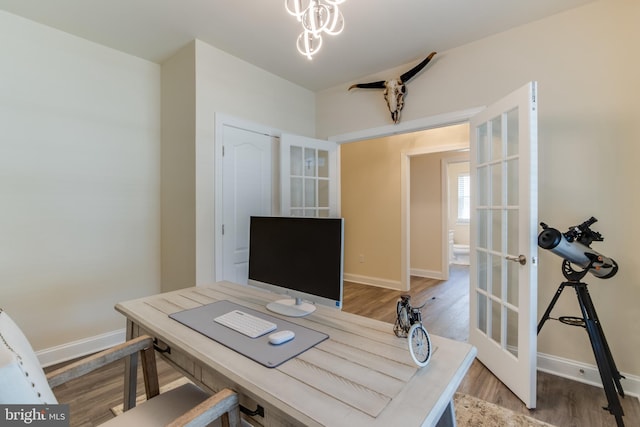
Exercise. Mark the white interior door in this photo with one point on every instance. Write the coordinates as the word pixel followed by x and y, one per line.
pixel 247 190
pixel 504 220
pixel 308 177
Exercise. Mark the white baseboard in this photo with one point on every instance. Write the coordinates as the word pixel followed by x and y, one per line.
pixel 64 352
pixel 584 373
pixel 373 281
pixel 429 274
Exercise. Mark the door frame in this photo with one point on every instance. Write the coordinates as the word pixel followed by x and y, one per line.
pixel 440 120
pixel 405 211
pixel 446 200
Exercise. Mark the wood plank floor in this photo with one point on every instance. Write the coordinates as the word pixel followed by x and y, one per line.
pixel 561 402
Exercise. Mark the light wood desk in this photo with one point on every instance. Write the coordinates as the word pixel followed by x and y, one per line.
pixel 363 375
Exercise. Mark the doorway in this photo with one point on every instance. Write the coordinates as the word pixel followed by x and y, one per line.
pixel 390 180
pixel 375 202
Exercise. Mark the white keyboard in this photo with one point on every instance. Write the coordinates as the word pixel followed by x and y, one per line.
pixel 245 323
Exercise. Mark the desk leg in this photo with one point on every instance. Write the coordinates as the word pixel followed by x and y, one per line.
pixel 130 374
pixel 448 418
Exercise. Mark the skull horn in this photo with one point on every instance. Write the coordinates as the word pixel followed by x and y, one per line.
pixel 415 70
pixel 372 85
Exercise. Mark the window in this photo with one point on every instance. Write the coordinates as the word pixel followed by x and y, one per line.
pixel 464 198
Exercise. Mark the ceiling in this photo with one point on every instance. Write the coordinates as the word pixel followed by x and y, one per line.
pixel 378 34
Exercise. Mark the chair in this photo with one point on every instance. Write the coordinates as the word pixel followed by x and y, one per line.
pixel 22 381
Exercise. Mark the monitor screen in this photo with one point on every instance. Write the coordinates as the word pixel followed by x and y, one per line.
pixel 299 257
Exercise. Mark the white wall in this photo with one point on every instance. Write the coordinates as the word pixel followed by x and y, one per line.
pixel 225 84
pixel 222 84
pixel 587 66
pixel 79 182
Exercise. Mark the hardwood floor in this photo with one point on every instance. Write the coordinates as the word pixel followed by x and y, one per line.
pixel 561 402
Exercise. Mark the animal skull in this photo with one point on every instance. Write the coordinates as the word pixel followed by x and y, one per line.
pixel 395 89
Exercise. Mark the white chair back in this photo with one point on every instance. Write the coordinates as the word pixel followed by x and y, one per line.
pixel 22 380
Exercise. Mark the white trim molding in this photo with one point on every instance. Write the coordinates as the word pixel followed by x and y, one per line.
pixel 65 352
pixel 584 373
pixel 373 281
pixel 429 274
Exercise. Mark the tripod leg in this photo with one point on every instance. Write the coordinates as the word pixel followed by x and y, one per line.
pixel 546 314
pixel 603 361
pixel 614 370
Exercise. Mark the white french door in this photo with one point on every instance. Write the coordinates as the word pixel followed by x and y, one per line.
pixel 504 220
pixel 308 177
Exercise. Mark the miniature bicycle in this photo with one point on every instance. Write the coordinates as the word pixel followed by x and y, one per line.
pixel 409 325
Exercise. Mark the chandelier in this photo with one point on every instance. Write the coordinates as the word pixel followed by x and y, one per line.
pixel 316 17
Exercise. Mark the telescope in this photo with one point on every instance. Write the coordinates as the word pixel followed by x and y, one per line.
pixel 575 247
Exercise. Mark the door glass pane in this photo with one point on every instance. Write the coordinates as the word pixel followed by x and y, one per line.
pixel 482 270
pixel 496 138
pixel 323 193
pixel 512 132
pixel 512 232
pixel 512 182
pixel 483 143
pixel 310 212
pixel 496 184
pixel 323 213
pixel 496 321
pixel 482 312
pixel 483 188
pixel 309 162
pixel 297 212
pixel 295 160
pixel 512 332
pixel 309 193
pixel 496 276
pixel 496 230
pixel 483 227
pixel 296 192
pixel 513 283
pixel 323 163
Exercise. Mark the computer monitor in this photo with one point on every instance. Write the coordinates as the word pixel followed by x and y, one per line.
pixel 298 257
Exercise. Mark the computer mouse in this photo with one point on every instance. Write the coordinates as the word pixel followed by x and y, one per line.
pixel 281 337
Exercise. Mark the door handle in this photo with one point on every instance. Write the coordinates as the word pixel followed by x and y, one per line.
pixel 521 259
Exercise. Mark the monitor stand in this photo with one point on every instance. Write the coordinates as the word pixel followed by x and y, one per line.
pixel 291 307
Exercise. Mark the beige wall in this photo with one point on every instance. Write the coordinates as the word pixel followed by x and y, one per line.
pixel 427 209
pixel 587 67
pixel 178 200
pixel 371 201
pixel 79 182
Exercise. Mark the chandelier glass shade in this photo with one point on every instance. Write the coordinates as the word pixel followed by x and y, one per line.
pixel 316 17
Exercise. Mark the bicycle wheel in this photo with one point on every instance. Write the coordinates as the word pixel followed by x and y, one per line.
pixel 402 321
pixel 419 344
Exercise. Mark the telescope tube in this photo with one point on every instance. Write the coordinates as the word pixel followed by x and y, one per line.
pixel 577 253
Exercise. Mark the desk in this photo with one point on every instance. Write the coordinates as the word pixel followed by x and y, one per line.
pixel 363 375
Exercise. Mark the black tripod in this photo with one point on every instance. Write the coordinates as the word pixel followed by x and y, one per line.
pixel 608 372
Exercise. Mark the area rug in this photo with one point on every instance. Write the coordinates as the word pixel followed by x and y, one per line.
pixel 470 411
pixel 474 412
